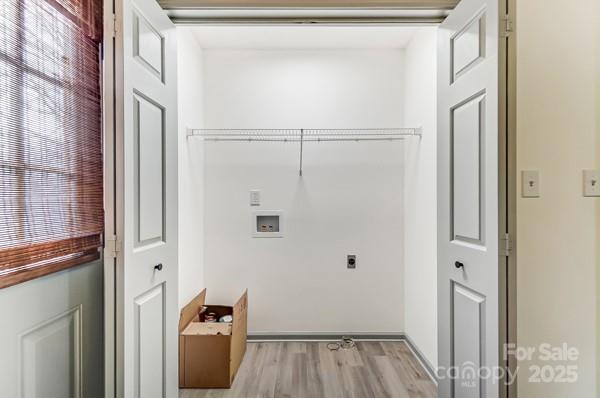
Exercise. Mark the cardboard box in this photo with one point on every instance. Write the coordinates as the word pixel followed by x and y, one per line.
pixel 210 354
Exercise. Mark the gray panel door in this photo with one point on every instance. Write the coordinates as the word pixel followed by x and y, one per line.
pixel 51 336
pixel 468 294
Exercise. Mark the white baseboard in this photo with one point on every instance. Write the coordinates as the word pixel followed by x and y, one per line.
pixel 322 336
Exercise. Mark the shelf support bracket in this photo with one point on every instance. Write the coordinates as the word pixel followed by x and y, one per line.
pixel 301 149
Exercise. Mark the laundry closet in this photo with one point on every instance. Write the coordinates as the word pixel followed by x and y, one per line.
pixel 307 175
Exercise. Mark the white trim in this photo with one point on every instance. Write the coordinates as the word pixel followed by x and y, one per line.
pixel 326 336
pixel 431 371
pixel 333 16
pixel 108 139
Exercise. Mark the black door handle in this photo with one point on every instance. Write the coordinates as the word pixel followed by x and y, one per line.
pixel 458 264
pixel 158 267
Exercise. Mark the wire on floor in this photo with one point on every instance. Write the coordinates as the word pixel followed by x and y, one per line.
pixel 346 343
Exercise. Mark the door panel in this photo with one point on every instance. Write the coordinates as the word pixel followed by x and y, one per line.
pixel 467 131
pixel 148 45
pixel 149 133
pixel 51 352
pixel 150 346
pixel 468 46
pixel 468 262
pixel 468 338
pixel 146 202
pixel 51 339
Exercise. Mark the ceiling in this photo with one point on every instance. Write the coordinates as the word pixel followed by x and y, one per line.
pixel 303 37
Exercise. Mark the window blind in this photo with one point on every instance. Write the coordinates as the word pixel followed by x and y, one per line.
pixel 51 199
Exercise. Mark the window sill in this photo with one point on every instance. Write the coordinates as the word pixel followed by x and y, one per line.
pixel 32 271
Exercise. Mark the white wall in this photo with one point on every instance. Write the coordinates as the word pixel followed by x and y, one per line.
pixel 420 239
pixel 348 202
pixel 191 161
pixel 558 128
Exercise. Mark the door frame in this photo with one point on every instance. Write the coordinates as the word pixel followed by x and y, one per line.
pixel 111 169
pixel 507 189
pixel 111 245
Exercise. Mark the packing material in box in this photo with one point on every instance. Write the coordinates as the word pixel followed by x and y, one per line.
pixel 210 353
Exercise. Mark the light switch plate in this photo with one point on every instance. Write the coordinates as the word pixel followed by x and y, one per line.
pixel 255 197
pixel 591 182
pixel 530 184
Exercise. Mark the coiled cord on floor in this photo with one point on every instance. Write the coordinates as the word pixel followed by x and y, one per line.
pixel 346 343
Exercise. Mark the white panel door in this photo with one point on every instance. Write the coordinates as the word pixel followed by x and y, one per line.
pixel 468 281
pixel 145 280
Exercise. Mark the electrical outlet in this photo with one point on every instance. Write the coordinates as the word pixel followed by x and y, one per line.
pixel 591 182
pixel 530 184
pixel 351 263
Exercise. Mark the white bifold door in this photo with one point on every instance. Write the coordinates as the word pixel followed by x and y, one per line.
pixel 145 209
pixel 468 220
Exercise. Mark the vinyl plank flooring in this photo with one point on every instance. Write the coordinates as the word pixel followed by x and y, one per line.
pixel 310 370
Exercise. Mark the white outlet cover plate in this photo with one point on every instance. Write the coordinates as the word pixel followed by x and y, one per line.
pixel 255 197
pixel 591 183
pixel 530 184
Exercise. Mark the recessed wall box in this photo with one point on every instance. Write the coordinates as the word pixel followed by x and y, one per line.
pixel 267 224
pixel 351 262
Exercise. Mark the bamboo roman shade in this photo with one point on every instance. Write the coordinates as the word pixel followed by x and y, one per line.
pixel 51 199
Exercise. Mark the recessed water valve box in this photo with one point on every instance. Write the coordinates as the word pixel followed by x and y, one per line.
pixel 267 224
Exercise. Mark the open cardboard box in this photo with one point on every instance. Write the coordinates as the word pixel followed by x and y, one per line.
pixel 210 354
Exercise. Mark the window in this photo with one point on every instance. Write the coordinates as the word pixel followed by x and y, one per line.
pixel 51 199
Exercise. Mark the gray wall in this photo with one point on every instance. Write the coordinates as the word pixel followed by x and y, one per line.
pixel 51 338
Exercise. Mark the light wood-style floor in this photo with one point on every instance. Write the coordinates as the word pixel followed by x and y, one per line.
pixel 310 370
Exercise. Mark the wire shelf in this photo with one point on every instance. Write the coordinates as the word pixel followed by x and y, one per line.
pixel 306 135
